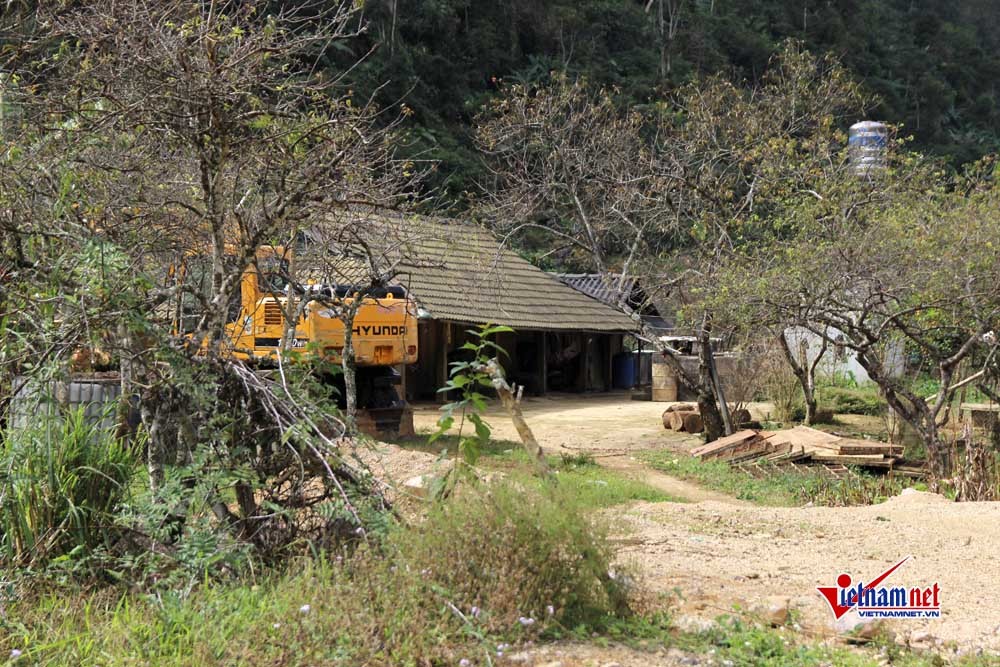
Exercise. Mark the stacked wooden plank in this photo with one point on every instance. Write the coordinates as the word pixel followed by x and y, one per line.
pixel 799 445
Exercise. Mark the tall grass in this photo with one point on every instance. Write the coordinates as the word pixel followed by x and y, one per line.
pixel 60 484
pixel 779 485
pixel 492 565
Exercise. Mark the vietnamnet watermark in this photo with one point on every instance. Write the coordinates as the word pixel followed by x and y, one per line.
pixel 873 600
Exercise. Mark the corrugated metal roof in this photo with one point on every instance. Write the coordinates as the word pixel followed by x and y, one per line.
pixel 605 288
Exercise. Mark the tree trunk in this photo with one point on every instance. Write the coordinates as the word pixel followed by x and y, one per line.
pixel 805 373
pixel 348 363
pixel 711 418
pixel 506 394
pixel 123 428
pixel 701 385
pixel 915 411
pixel 158 415
pixel 720 395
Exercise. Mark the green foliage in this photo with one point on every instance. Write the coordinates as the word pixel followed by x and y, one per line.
pixel 455 587
pixel 61 484
pixel 779 485
pixel 516 553
pixel 925 62
pixel 470 378
pixel 857 401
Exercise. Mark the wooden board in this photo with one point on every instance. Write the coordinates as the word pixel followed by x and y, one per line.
pixel 728 441
pixel 857 459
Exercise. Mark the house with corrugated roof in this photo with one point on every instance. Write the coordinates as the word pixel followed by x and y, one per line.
pixel 462 276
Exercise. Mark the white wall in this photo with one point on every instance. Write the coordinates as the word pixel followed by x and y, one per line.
pixel 838 359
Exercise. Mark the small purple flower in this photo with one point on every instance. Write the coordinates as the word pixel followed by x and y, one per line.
pixel 550 610
pixel 526 621
pixel 305 609
pixel 475 612
pixel 464 662
pixel 15 653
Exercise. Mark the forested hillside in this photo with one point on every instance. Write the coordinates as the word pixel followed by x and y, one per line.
pixel 932 63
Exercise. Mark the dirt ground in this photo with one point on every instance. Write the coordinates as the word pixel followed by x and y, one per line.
pixel 721 554
pixel 597 423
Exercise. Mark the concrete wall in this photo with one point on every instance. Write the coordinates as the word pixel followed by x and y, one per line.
pixel 839 360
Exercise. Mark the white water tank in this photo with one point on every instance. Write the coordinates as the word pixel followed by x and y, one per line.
pixel 867 146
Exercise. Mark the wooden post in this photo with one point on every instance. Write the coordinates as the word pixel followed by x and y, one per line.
pixel 444 338
pixel 720 395
pixel 545 363
pixel 609 363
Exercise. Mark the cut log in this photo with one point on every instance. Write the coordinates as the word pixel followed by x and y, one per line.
pixel 693 423
pixel 682 407
pixel 676 420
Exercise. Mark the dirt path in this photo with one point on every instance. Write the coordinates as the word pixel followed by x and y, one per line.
pixel 722 553
pixel 677 488
pixel 599 423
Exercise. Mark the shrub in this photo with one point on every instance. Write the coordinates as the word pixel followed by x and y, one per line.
pixel 781 387
pixel 516 554
pixel 848 401
pixel 60 485
pixel 481 570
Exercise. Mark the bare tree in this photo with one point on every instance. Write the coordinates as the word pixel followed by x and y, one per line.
pixel 894 269
pixel 666 194
pixel 149 135
pixel 668 19
pixel 804 368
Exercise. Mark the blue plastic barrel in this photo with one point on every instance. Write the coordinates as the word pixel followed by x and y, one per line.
pixel 623 371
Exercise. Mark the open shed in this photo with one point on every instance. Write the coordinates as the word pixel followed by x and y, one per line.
pixel 461 276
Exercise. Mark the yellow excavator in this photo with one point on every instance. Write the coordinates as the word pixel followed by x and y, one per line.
pixel 384 335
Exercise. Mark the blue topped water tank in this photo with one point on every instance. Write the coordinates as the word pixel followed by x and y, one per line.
pixel 868 143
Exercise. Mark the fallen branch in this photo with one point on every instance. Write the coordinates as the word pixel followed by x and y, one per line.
pixel 510 402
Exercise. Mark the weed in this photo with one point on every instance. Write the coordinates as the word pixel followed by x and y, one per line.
pixel 862 400
pixel 516 554
pixel 496 563
pixel 60 486
pixel 578 475
pixel 779 485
